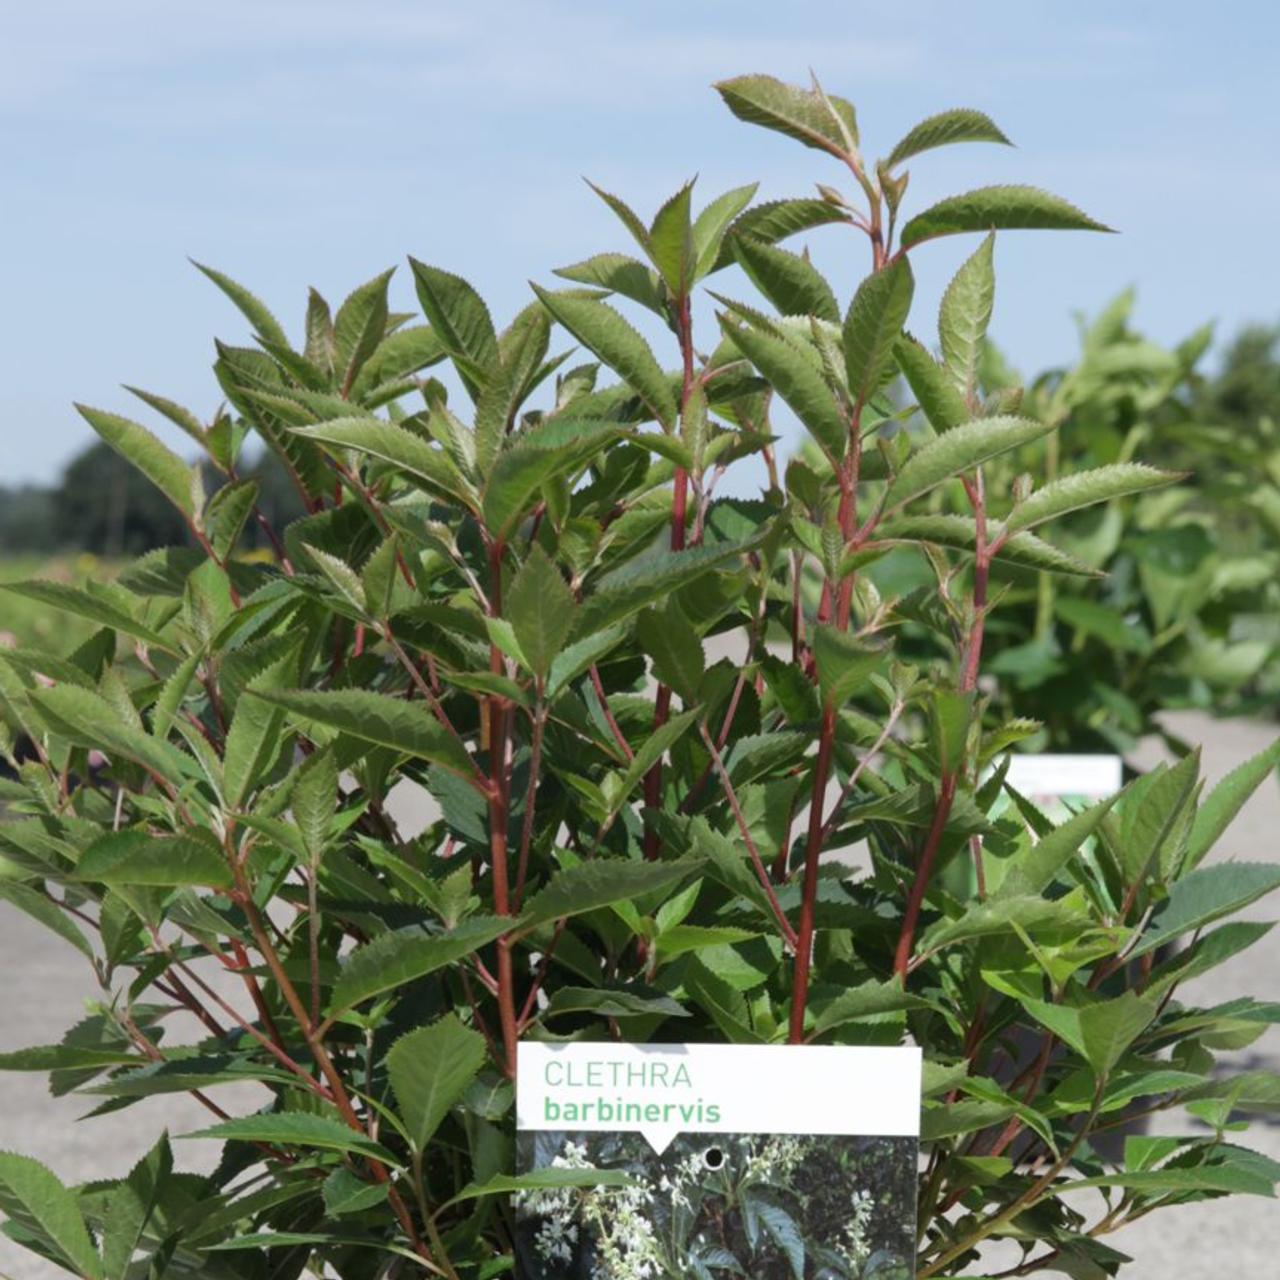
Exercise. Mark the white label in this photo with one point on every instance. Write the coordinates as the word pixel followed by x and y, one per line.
pixel 664 1090
pixel 1089 777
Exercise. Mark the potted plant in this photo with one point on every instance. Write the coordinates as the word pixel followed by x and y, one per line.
pixel 513 608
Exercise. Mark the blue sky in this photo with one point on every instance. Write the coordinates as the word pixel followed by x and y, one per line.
pixel 298 142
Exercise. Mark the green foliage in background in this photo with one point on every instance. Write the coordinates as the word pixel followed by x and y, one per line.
pixel 644 739
pixel 1185 611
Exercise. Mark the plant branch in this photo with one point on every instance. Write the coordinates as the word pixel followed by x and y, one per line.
pixel 762 872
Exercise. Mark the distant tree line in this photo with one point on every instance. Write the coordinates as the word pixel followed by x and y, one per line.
pixel 103 505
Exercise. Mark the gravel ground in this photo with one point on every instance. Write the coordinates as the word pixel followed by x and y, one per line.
pixel 48 985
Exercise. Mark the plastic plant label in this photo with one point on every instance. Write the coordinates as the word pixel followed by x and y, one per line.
pixel 1086 777
pixel 764 1160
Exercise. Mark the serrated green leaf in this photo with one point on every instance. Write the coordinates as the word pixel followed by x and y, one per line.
pixel 67 1057
pixel 628 590
pixel 1102 1032
pixel 297 1129
pixel 960 532
pixel 869 999
pixel 89 720
pixel 429 1070
pixel 32 1193
pixel 803 114
pixel 406 727
pixel 359 326
pixel 1220 806
pixel 997 209
pixel 344 1193
pixel 130 1209
pixel 393 959
pixel 959 450
pixel 1037 868
pixel 792 284
pixel 964 316
pixel 226 514
pixel 844 665
pixel 1085 489
pixel 997 916
pixel 605 333
pixel 133 442
pixel 712 225
pixel 626 215
pixel 797 379
pixel 461 321
pixel 938 399
pixel 108 609
pixel 775 220
pixel 134 857
pixel 397 356
pixel 1206 895
pixel 178 414
pixel 600 883
pixel 522 348
pixel 256 312
pixel 671 241
pixel 1155 819
pixel 968 1116
pixel 314 800
pixel 533 459
pixel 673 645
pixel 540 608
pixel 430 467
pixel 341 577
pixel 651 750
pixel 873 326
pixel 960 124
pixel 253 740
pixel 613 1002
pixel 619 273
pixel 41 908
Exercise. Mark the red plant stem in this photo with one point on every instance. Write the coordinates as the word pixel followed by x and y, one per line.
pixel 242 967
pixel 1014 1127
pixel 341 1099
pixel 191 1002
pixel 924 872
pixel 526 1013
pixel 152 1054
pixel 981 573
pixel 809 893
pixel 874 750
pixel 971 660
pixel 470 993
pixel 530 804
pixel 848 519
pixel 679 515
pixel 269 1043
pixel 499 811
pixel 686 805
pixel 477 779
pixel 762 873
pixel 618 736
pixel 223 563
pixel 842 596
pixel 797 611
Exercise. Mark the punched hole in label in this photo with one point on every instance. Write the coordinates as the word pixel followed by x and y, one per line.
pixel 713 1158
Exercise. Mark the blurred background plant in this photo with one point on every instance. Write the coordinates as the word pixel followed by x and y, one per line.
pixel 1187 614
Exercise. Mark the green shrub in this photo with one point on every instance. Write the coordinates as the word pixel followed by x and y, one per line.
pixel 642 743
pixel 1187 610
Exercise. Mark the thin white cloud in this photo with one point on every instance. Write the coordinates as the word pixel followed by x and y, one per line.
pixel 531 54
